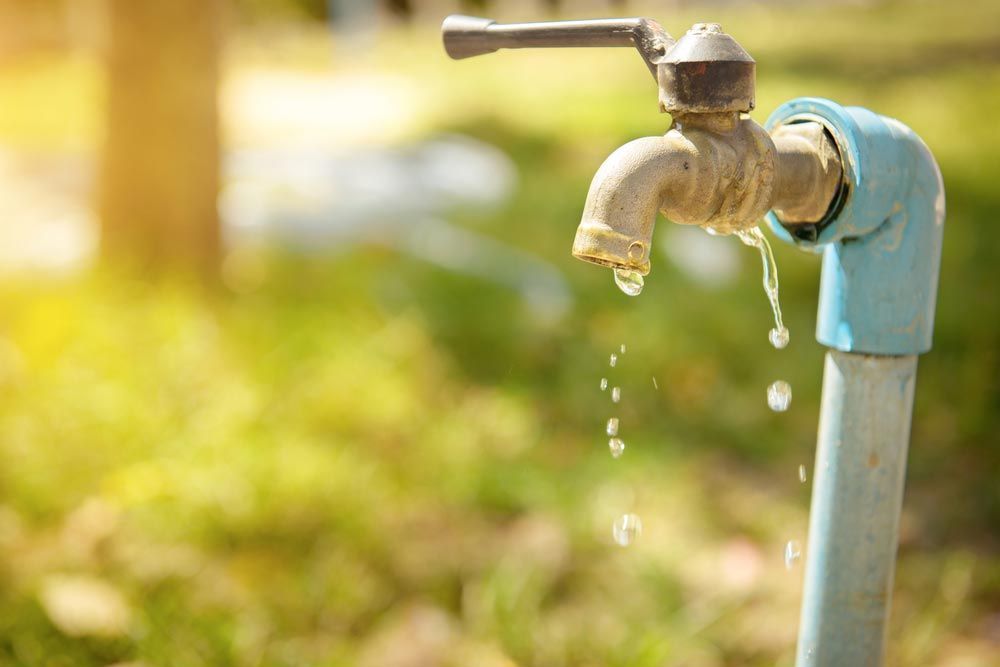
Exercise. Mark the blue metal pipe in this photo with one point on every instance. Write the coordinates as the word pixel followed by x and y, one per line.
pixel 854 521
pixel 881 245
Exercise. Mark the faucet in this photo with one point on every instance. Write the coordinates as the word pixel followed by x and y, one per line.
pixel 715 167
pixel 860 188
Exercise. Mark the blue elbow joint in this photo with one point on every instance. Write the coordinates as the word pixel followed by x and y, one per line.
pixel 881 238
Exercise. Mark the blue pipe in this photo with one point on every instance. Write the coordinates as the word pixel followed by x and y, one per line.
pixel 881 245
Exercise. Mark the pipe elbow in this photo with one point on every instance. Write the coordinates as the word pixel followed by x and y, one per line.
pixel 628 190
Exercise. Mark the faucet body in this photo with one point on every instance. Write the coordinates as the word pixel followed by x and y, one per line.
pixel 713 170
pixel 721 171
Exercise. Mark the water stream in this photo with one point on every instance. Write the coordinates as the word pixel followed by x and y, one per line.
pixel 755 238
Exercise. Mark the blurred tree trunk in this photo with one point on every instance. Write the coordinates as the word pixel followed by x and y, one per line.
pixel 401 8
pixel 160 173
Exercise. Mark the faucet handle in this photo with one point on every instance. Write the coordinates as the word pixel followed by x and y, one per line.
pixel 467 36
pixel 705 71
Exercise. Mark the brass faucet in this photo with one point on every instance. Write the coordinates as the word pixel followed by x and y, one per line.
pixel 715 167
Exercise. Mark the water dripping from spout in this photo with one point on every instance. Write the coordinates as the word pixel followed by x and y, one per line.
pixel 755 238
pixel 630 282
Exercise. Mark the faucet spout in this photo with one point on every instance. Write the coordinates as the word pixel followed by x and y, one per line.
pixel 712 170
pixel 627 192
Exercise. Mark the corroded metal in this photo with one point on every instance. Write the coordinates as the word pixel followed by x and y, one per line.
pixel 712 170
pixel 707 71
pixel 809 172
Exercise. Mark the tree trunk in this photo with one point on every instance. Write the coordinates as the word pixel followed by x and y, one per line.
pixel 159 179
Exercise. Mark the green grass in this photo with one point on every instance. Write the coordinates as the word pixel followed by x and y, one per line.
pixel 367 458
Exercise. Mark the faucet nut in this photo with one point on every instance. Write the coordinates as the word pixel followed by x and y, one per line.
pixel 707 71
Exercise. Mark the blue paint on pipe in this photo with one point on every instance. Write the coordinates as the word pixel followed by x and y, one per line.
pixel 857 495
pixel 882 245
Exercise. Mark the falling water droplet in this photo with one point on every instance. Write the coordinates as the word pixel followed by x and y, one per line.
pixel 779 396
pixel 626 529
pixel 793 552
pixel 617 447
pixel 779 338
pixel 612 427
pixel 604 384
pixel 630 282
pixel 622 348
pixel 755 238
pixel 655 386
pixel 802 474
pixel 616 394
pixel 614 360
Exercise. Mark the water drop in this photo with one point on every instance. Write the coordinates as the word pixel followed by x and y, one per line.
pixel 604 384
pixel 612 427
pixel 755 238
pixel 802 474
pixel 779 338
pixel 616 394
pixel 614 360
pixel 630 282
pixel 779 396
pixel 626 529
pixel 622 348
pixel 655 386
pixel 793 553
pixel 617 447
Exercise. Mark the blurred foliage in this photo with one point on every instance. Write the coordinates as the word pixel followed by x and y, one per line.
pixel 369 461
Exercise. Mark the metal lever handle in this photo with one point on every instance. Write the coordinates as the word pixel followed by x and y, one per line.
pixel 467 36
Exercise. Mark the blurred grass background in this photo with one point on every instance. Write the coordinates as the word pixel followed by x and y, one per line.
pixel 359 458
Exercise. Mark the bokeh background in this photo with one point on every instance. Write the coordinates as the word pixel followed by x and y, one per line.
pixel 296 369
